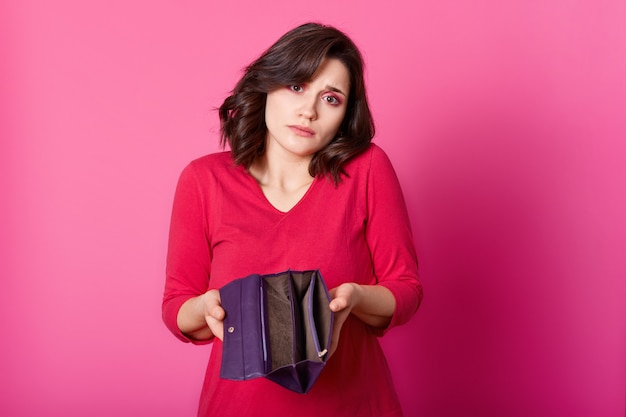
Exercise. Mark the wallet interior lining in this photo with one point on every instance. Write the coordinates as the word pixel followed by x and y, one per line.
pixel 291 338
pixel 280 324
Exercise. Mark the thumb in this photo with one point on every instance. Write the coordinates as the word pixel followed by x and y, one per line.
pixel 217 312
pixel 338 304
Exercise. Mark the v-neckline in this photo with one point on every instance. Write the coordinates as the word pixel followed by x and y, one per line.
pixel 269 204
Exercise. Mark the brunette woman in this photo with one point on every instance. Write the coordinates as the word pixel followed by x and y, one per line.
pixel 301 187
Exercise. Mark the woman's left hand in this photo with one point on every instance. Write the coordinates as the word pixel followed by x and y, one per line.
pixel 374 305
pixel 343 300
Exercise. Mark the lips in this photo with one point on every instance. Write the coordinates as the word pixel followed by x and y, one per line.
pixel 302 130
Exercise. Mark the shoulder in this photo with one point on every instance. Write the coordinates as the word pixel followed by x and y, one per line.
pixel 212 165
pixel 206 170
pixel 373 158
pixel 218 160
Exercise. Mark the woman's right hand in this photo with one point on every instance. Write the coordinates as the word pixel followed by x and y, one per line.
pixel 202 317
pixel 213 312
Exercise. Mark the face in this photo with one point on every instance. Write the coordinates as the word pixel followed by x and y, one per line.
pixel 302 119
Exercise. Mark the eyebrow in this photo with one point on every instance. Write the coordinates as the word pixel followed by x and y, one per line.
pixel 336 90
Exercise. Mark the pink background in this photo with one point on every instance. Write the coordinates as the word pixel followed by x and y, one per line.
pixel 505 121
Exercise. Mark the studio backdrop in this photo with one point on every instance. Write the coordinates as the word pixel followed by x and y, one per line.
pixel 505 122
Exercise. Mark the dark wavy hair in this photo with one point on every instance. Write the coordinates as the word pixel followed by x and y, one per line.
pixel 294 59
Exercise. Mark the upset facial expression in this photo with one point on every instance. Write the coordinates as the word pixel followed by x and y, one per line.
pixel 301 119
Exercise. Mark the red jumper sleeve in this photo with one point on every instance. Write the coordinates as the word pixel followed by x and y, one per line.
pixel 188 258
pixel 390 239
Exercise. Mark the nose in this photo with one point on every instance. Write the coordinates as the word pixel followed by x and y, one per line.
pixel 308 107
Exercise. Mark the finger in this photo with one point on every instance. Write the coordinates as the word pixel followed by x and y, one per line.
pixel 338 324
pixel 216 326
pixel 217 312
pixel 338 304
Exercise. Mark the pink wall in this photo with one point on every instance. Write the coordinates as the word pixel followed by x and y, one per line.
pixel 506 124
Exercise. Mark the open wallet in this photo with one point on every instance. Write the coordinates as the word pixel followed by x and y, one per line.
pixel 277 326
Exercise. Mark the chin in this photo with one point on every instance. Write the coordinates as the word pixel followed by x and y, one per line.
pixel 304 151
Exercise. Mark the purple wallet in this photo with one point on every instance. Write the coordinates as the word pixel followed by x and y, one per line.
pixel 277 326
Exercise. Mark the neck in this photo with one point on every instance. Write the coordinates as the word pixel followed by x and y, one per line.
pixel 278 168
pixel 280 173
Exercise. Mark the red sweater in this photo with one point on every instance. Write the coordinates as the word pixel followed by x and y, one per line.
pixel 224 228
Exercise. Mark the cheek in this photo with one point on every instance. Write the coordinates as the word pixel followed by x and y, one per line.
pixel 272 111
pixel 332 130
pixel 338 119
pixel 334 116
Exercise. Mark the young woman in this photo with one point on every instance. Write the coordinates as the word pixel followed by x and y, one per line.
pixel 301 188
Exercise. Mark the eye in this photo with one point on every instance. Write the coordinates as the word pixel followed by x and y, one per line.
pixel 296 88
pixel 331 100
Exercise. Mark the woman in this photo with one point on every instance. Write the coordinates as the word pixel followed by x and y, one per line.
pixel 302 188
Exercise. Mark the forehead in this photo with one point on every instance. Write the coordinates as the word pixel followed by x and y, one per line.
pixel 332 72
